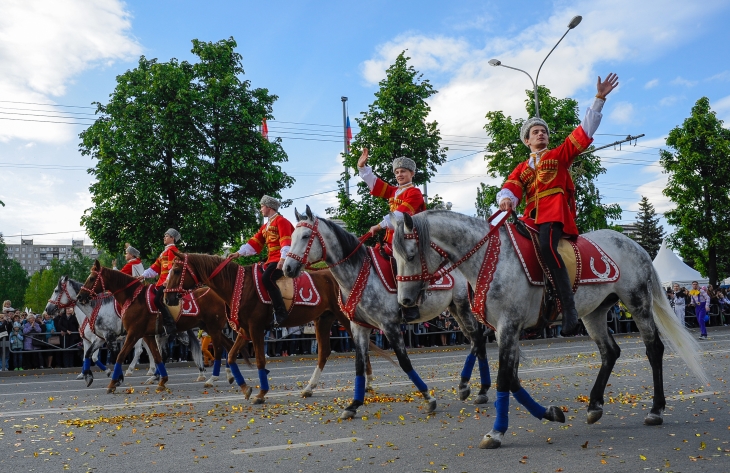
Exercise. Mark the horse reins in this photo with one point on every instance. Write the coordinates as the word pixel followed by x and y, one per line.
pixel 57 301
pixel 186 269
pixel 304 259
pixel 95 295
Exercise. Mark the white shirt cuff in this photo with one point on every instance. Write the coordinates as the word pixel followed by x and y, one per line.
pixel 366 174
pixel 149 273
pixel 284 251
pixel 507 194
pixel 246 250
pixel 389 220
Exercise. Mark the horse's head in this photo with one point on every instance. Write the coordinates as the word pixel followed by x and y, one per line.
pixel 307 244
pixel 411 249
pixel 63 296
pixel 181 278
pixel 93 285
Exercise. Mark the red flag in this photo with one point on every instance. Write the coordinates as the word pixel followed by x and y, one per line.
pixel 349 133
pixel 264 129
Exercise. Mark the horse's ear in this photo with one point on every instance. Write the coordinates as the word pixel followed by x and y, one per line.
pixel 407 223
pixel 97 265
pixel 309 213
pixel 298 216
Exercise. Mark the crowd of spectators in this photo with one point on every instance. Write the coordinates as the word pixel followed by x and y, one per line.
pixel 38 341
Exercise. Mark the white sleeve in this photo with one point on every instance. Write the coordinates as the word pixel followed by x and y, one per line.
pixel 246 250
pixel 366 174
pixel 284 251
pixel 149 273
pixel 593 117
pixel 388 222
pixel 507 194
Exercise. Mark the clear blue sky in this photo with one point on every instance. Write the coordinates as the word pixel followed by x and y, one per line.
pixel 667 54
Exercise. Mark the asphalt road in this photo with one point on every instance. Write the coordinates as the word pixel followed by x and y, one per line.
pixel 52 422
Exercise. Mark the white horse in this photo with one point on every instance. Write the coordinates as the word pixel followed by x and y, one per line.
pixel 426 242
pixel 316 239
pixel 106 328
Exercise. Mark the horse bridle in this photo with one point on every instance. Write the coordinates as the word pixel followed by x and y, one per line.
pixel 185 269
pixel 64 290
pixel 94 294
pixel 304 259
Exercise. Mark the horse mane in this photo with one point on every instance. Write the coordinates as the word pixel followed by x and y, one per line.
pixel 206 264
pixel 116 277
pixel 346 240
pixel 421 226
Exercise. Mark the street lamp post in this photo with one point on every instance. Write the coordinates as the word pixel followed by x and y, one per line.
pixel 496 62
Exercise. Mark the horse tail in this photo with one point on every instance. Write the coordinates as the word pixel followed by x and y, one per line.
pixel 679 338
pixel 379 351
pixel 196 350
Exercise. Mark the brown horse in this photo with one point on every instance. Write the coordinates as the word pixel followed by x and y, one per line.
pixel 139 322
pixel 254 317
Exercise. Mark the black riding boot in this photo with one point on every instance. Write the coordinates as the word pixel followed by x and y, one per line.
pixel 271 274
pixel 550 235
pixel 168 322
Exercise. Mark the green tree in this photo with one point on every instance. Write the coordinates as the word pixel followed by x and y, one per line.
pixel 649 233
pixel 699 171
pixel 178 145
pixel 395 125
pixel 505 151
pixel 13 278
pixel 42 283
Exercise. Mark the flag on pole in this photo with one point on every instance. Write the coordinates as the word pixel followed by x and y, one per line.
pixel 264 129
pixel 349 134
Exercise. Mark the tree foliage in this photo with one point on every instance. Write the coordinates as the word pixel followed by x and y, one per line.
pixel 649 234
pixel 395 125
pixel 506 150
pixel 41 284
pixel 178 145
pixel 13 278
pixel 699 172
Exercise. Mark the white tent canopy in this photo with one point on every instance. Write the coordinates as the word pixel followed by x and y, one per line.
pixel 672 270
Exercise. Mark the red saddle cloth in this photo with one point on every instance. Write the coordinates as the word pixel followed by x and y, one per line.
pixel 384 268
pixel 303 291
pixel 593 265
pixel 188 304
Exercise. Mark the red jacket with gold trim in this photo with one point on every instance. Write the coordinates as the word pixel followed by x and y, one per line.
pixel 549 189
pixel 408 201
pixel 275 235
pixel 163 264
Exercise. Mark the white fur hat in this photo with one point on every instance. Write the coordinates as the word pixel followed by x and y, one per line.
pixel 406 163
pixel 270 202
pixel 173 233
pixel 529 123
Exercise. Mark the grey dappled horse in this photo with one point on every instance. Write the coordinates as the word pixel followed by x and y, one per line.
pixel 107 327
pixel 513 304
pixel 379 308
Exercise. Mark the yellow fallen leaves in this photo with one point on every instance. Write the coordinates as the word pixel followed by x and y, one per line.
pixel 642 457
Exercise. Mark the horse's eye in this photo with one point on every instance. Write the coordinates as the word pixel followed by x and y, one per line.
pixel 410 257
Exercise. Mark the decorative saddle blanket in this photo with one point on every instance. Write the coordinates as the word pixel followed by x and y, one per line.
pixel 188 306
pixel 296 291
pixel 384 269
pixel 586 262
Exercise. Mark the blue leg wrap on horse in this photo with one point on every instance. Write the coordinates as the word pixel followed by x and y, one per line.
pixel 484 374
pixel 468 366
pixel 117 371
pixel 237 375
pixel 264 379
pixel 161 369
pixel 87 365
pixel 359 388
pixel 217 368
pixel 524 398
pixel 101 365
pixel 502 406
pixel 420 385
pixel 157 371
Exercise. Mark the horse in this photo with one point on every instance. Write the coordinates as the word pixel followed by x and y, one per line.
pixel 253 317
pixel 318 239
pixel 139 322
pixel 107 326
pixel 440 240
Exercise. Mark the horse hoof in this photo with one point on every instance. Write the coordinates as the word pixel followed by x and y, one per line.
pixel 653 419
pixel 80 376
pixel 246 390
pixel 347 414
pixel 594 415
pixel 200 378
pixel 160 389
pixel 150 372
pixel 231 379
pixel 259 400
pixel 126 373
pixel 431 406
pixel 211 380
pixel 492 440
pixel 110 390
pixel 481 399
pixel 307 393
pixel 554 414
pixel 464 393
pixel 89 379
pixel 109 373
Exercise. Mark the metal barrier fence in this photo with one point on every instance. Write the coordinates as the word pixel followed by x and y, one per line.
pixel 6 348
